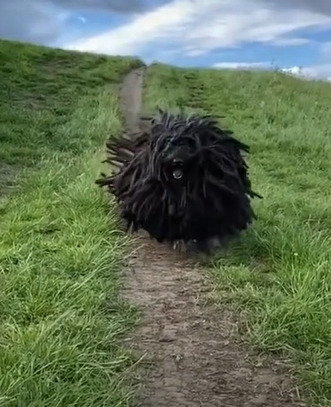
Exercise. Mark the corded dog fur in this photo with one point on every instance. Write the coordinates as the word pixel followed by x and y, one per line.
pixel 183 180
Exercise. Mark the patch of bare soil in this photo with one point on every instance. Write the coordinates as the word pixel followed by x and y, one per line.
pixel 196 353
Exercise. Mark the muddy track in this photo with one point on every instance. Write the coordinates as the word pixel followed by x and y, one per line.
pixel 196 354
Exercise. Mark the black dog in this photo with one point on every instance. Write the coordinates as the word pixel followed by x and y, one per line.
pixel 182 180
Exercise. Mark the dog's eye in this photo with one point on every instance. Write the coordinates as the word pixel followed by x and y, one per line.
pixel 191 143
pixel 181 142
pixel 185 142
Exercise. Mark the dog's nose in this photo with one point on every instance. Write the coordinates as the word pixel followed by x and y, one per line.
pixel 177 161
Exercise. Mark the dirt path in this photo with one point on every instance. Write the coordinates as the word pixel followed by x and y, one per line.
pixel 197 358
pixel 131 97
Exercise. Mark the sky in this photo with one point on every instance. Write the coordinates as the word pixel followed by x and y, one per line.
pixel 293 35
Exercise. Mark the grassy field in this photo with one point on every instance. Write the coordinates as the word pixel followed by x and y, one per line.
pixel 278 274
pixel 60 315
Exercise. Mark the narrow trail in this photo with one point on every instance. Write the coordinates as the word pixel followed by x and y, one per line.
pixel 196 354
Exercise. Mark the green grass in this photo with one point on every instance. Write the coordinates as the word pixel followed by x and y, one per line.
pixel 61 318
pixel 278 275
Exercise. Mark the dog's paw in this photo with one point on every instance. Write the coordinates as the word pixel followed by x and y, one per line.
pixel 179 246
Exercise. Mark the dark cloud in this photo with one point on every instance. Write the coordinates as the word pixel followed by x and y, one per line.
pixel 123 6
pixel 315 6
pixel 26 20
pixel 319 6
pixel 40 21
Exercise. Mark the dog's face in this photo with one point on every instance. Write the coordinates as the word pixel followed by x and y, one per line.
pixel 177 155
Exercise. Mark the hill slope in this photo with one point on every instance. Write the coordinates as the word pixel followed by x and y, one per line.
pixel 59 249
pixel 278 274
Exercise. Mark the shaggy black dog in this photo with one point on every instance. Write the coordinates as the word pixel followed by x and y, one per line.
pixel 183 180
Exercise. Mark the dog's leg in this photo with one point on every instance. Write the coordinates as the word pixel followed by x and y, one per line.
pixel 179 246
pixel 209 246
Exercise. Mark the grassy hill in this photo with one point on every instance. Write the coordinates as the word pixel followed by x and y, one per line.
pixel 60 318
pixel 278 274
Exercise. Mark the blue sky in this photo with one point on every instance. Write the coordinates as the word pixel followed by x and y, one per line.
pixel 205 33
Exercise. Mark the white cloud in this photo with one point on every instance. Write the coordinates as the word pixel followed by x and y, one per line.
pixel 241 65
pixel 293 70
pixel 313 72
pixel 317 71
pixel 195 27
pixel 165 22
pixel 288 42
pixel 322 71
